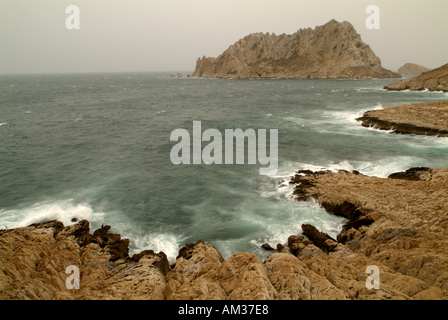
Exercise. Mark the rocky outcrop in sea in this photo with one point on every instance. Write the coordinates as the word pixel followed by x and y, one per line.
pixel 333 50
pixel 417 118
pixel 433 80
pixel 412 68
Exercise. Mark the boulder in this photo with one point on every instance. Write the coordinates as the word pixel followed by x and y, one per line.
pixel 321 239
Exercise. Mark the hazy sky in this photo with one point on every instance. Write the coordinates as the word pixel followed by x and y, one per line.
pixel 169 35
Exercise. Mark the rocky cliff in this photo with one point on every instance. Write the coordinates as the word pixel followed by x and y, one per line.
pixel 398 224
pixel 412 68
pixel 433 80
pixel 334 50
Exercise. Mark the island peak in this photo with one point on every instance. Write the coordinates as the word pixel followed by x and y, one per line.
pixel 333 50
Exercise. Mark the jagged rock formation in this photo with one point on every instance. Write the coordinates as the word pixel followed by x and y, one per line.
pixel 433 80
pixel 418 118
pixel 33 261
pixel 398 224
pixel 334 50
pixel 412 68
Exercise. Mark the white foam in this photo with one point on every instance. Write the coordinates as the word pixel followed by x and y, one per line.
pixel 345 116
pixel 350 116
pixel 384 167
pixel 289 219
pixel 343 165
pixel 169 243
pixel 2 124
pixel 375 128
pixel 379 107
pixel 63 211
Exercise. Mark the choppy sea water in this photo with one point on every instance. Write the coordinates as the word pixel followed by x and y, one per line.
pixel 97 147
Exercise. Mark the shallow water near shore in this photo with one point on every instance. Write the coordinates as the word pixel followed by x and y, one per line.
pixel 97 147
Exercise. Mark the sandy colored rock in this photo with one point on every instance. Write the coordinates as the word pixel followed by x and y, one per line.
pixel 412 68
pixel 418 118
pixel 433 80
pixel 399 225
pixel 195 274
pixel 33 261
pixel 293 280
pixel 334 50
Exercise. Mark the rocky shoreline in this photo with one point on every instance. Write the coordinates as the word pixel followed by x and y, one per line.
pixel 433 80
pixel 398 224
pixel 418 118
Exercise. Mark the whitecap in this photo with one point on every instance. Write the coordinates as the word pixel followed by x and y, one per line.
pixel 379 107
pixel 2 124
pixel 62 210
pixel 343 165
pixel 169 243
pixel 382 168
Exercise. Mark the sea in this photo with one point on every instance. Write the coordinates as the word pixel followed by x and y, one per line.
pixel 97 147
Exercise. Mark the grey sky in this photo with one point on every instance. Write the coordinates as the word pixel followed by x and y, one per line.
pixel 169 35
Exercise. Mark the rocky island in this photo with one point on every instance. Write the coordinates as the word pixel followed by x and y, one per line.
pixel 433 80
pixel 417 118
pixel 398 224
pixel 412 68
pixel 333 50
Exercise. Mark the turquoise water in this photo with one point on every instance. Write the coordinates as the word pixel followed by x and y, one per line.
pixel 97 147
